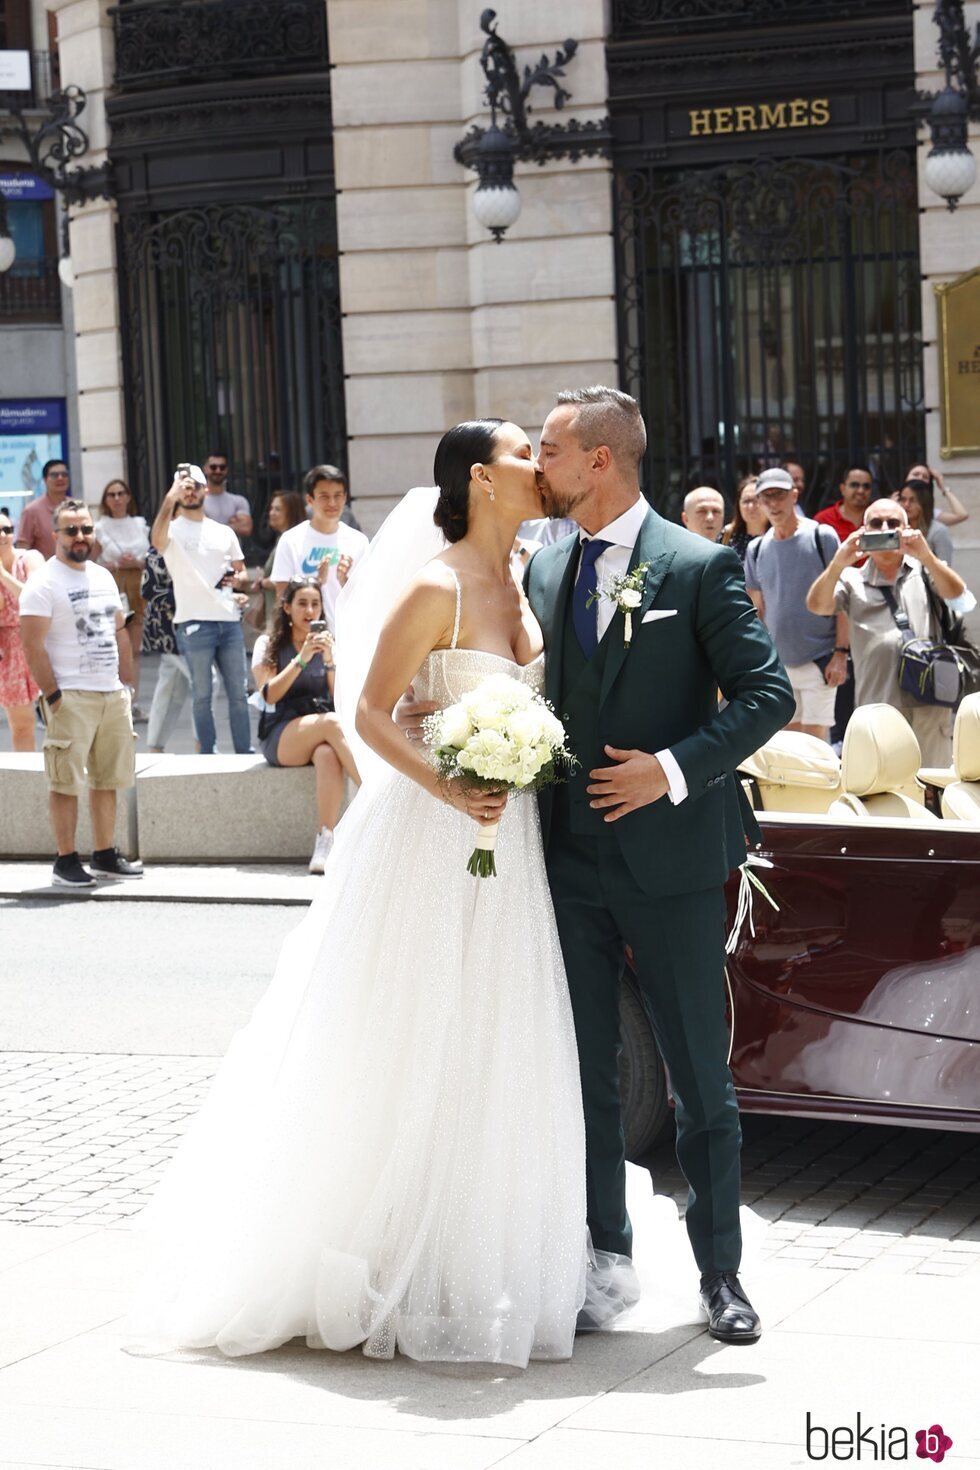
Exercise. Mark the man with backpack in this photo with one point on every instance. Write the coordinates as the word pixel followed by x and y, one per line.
pixel 895 597
pixel 780 568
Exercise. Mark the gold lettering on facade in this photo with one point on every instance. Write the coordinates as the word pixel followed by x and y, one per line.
pixel 773 117
pixel 958 348
pixel 751 117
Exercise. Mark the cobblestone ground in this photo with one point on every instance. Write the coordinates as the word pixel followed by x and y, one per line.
pixel 85 1138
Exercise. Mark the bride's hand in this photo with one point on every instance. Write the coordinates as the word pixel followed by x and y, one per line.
pixel 484 807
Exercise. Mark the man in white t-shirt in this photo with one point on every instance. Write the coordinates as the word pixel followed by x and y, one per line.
pixel 73 632
pixel 324 547
pixel 205 561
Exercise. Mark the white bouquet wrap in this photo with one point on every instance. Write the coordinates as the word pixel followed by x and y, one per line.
pixel 500 736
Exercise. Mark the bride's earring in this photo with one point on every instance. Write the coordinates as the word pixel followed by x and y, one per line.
pixel 492 496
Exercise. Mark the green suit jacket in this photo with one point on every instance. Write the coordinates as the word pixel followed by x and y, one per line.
pixel 662 694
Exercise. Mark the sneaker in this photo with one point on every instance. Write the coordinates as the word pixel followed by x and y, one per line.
pixel 109 863
pixel 69 873
pixel 321 851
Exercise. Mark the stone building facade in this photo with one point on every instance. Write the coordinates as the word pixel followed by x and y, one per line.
pixel 436 322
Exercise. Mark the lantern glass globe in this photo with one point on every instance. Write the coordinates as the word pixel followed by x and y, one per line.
pixel 496 207
pixel 66 272
pixel 950 174
pixel 8 253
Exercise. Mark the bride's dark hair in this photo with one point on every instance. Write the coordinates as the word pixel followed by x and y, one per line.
pixel 467 444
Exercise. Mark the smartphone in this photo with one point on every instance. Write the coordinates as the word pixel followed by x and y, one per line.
pixel 880 541
pixel 182 469
pixel 318 625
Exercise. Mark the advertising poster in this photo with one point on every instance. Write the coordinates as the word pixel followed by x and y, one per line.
pixel 32 431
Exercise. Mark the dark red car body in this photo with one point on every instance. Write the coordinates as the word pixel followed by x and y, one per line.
pixel 860 997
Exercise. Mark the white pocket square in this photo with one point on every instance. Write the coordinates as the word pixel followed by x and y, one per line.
pixel 658 612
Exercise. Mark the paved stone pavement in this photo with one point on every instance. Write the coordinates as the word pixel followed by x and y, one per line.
pixel 85 1138
pixel 87 1124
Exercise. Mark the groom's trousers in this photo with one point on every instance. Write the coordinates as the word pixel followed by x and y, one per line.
pixel 678 951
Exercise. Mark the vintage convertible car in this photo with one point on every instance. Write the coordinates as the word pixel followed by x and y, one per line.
pixel 858 996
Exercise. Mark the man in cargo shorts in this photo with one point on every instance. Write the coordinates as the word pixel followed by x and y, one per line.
pixel 72 627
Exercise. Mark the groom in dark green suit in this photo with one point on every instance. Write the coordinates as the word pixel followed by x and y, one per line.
pixel 640 842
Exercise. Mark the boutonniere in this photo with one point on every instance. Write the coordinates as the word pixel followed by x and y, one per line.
pixel 626 591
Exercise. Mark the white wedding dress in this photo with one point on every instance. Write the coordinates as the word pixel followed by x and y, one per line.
pixel 392 1153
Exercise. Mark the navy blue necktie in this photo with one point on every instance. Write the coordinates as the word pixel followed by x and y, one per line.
pixel 585 619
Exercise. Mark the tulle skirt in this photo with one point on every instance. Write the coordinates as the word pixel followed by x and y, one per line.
pixel 392 1152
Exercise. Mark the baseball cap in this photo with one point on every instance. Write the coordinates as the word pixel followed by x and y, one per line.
pixel 774 479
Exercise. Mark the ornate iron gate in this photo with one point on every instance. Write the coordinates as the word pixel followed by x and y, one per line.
pixel 232 334
pixel 768 310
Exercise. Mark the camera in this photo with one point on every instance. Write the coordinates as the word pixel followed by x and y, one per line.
pixel 880 541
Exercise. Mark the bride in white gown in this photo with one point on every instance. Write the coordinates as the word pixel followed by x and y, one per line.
pixel 392 1153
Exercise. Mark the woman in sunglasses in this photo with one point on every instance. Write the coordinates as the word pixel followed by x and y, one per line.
pixel 123 544
pixel 17 689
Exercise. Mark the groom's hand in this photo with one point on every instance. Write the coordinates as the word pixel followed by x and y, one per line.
pixel 636 780
pixel 409 713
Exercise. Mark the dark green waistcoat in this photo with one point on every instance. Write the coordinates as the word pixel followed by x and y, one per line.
pixel 578 710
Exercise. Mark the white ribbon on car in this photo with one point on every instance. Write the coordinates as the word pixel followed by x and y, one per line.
pixel 743 909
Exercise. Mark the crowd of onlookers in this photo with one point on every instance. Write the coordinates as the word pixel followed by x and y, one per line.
pixel 83 597
pixel 839 612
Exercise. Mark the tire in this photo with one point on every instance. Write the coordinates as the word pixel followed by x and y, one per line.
pixel 648 1119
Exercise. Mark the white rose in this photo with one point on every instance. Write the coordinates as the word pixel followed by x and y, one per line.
pixel 629 598
pixel 455 726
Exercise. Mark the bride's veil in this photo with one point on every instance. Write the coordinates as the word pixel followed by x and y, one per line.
pixel 408 538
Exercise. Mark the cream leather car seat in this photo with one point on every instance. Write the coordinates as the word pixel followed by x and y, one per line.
pixel 794 772
pixel 961 799
pixel 879 762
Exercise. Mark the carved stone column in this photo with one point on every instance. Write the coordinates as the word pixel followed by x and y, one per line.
pixel 440 322
pixel 86 55
pixel 948 248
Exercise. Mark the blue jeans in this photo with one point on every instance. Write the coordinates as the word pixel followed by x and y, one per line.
pixel 212 642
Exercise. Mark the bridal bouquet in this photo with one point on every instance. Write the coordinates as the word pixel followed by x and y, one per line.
pixel 500 736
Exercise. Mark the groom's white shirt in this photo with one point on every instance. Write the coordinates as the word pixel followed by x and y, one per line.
pixel 622 533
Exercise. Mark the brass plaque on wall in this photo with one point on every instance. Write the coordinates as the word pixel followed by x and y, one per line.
pixel 958 321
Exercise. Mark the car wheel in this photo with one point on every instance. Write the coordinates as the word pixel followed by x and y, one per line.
pixel 647 1116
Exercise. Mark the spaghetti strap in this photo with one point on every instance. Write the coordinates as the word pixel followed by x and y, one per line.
pixel 458 600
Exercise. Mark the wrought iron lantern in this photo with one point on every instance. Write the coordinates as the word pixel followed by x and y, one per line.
pixel 950 166
pixel 492 152
pixel 51 149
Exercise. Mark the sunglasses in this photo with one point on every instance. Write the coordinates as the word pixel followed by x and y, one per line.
pixel 6 530
pixel 217 467
pixel 57 474
pixel 117 495
pixel 885 523
pixel 87 530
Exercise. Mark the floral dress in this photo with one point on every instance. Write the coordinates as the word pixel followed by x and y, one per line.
pixel 16 684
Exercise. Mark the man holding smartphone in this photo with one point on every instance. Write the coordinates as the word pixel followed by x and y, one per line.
pixel 898 559
pixel 202 556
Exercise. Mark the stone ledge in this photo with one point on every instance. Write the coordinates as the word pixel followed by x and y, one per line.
pixel 183 808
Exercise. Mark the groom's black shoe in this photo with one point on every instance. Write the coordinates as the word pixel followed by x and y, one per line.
pixel 731 1317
